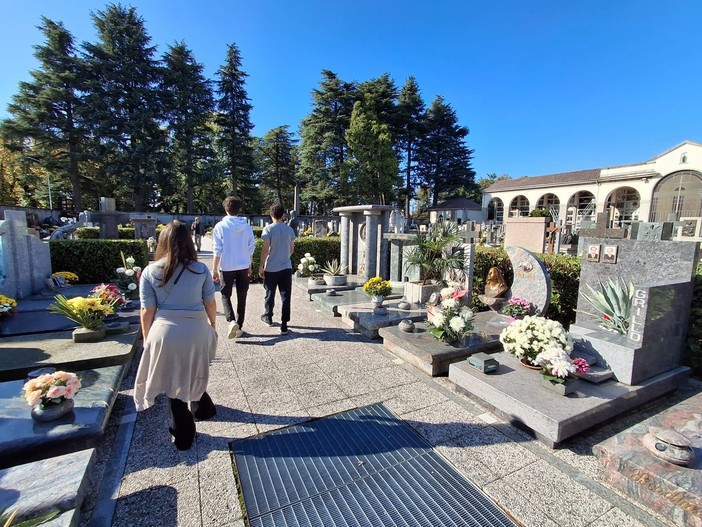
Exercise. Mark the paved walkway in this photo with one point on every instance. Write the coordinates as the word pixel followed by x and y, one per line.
pixel 265 381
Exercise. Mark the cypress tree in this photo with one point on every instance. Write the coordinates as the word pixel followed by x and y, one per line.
pixel 411 110
pixel 276 158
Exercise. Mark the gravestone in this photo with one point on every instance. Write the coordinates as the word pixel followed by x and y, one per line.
pixel 400 244
pixel 600 230
pixel 531 279
pixel 553 239
pixel 108 218
pixel 652 231
pixel 25 263
pixel 662 274
pixel 144 228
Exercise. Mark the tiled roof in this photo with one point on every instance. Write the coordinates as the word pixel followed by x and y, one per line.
pixel 458 204
pixel 552 180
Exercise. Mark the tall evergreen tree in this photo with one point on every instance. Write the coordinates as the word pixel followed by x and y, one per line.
pixel 276 157
pixel 323 148
pixel 46 110
pixel 188 104
pixel 443 158
pixel 235 127
pixel 372 156
pixel 380 97
pixel 410 127
pixel 124 99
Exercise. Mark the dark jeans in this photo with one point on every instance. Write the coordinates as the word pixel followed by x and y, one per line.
pixel 239 280
pixel 283 281
pixel 182 423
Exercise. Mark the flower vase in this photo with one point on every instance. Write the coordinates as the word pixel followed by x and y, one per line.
pixel 51 412
pixel 528 365
pixel 562 388
pixel 377 301
pixel 88 335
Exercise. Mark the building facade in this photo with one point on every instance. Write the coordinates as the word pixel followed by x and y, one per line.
pixel 665 188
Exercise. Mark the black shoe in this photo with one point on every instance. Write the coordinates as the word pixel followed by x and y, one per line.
pixel 205 408
pixel 284 329
pixel 267 320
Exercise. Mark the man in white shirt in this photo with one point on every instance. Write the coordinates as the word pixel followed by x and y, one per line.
pixel 233 247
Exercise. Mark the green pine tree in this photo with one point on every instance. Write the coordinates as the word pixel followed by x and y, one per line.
pixel 233 120
pixel 45 114
pixel 188 104
pixel 276 158
pixel 125 111
pixel 443 159
pixel 411 115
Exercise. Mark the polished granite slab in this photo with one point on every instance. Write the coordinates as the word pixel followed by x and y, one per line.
pixel 24 440
pixel 432 356
pixel 361 317
pixel 24 490
pixel 303 284
pixel 668 489
pixel 516 393
pixel 330 304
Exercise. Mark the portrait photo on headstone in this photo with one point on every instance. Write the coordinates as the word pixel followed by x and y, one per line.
pixel 593 253
pixel 609 254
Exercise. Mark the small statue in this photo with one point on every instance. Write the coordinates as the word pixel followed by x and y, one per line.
pixel 495 285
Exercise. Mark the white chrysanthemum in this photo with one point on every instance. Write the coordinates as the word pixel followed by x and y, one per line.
pixel 119 270
pixel 562 368
pixel 439 320
pixel 129 272
pixel 300 267
pixel 449 303
pixel 130 261
pixel 137 269
pixel 467 313
pixel 132 286
pixel 308 255
pixel 457 324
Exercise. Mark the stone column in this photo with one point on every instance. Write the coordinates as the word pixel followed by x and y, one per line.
pixel 371 243
pixel 345 239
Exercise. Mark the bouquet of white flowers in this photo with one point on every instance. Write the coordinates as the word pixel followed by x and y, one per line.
pixel 308 265
pixel 451 319
pixel 528 337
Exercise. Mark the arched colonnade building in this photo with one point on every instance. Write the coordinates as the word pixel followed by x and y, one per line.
pixel 665 188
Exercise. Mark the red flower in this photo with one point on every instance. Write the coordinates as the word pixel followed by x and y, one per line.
pixel 606 317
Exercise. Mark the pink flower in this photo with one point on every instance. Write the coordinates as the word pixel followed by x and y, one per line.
pixel 33 397
pixel 581 365
pixel 70 391
pixel 55 392
pixel 460 293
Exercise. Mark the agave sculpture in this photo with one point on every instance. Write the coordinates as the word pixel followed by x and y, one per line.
pixel 613 304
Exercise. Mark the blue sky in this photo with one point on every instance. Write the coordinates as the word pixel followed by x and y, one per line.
pixel 544 86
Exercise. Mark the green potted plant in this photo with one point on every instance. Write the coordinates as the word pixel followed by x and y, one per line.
pixel 88 312
pixel 334 273
pixel 432 257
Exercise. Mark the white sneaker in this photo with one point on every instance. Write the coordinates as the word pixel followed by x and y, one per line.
pixel 233 329
pixel 239 333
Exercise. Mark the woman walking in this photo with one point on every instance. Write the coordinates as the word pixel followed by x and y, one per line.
pixel 178 316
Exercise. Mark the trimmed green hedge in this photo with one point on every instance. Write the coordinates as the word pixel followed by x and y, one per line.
pixel 693 345
pixel 93 233
pixel 95 261
pixel 322 249
pixel 565 280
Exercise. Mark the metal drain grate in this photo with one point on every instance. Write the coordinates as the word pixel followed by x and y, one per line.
pixel 364 467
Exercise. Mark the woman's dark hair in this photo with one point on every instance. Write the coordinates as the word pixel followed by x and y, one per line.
pixel 176 246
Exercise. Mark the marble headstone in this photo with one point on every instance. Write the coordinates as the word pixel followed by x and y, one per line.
pixel 531 279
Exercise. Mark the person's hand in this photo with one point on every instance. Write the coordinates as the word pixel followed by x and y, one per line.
pixel 250 271
pixel 261 272
pixel 215 276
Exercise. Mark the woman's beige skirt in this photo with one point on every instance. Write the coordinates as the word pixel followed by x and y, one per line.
pixel 176 358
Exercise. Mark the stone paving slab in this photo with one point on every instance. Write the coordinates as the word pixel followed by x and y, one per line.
pixel 515 391
pixel 432 356
pixel 362 319
pixel 24 440
pixel 352 282
pixel 38 488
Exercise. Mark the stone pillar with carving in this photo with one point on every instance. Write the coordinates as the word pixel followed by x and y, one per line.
pixel 345 240
pixel 371 256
